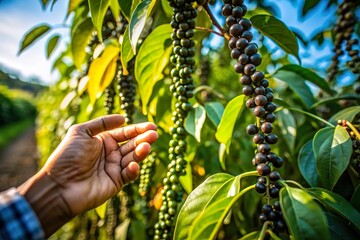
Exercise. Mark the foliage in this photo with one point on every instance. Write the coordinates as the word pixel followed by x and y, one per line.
pixel 317 123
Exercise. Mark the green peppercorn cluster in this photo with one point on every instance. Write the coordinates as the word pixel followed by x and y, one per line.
pixel 343 34
pixel 182 58
pixel 260 101
pixel 109 99
pixel 126 87
pixel 355 156
pixel 146 172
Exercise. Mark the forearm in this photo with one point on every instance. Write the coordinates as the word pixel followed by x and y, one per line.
pixel 44 196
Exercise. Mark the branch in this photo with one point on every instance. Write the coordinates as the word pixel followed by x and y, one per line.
pixel 209 30
pixel 215 22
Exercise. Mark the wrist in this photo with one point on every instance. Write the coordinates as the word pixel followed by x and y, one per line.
pixel 44 196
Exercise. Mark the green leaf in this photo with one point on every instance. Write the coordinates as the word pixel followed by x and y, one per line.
pixel 32 35
pixel 51 45
pixel 346 114
pixel 98 10
pixel 166 7
pixel 80 38
pixel 125 7
pixel 226 126
pixel 308 5
pixel 126 51
pixel 44 3
pixel 307 164
pixel 303 216
pixel 209 222
pixel 102 71
pixel 186 180
pixel 355 199
pixel 138 20
pixel 339 228
pixel 115 8
pixel 332 150
pixel 152 59
pixel 198 199
pixel 73 5
pixel 287 127
pixel 337 98
pixel 337 204
pixel 307 74
pixel 297 84
pixel 195 121
pixel 214 110
pixel 277 31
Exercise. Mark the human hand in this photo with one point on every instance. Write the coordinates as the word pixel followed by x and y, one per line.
pixel 89 166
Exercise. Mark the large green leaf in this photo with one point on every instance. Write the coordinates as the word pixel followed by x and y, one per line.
pixel 287 127
pixel 346 114
pixel 73 4
pixel 98 10
pixel 337 204
pixel 329 100
pixel 303 216
pixel 126 51
pixel 198 199
pixel 209 222
pixel 214 110
pixel 51 45
pixel 226 126
pixel 297 84
pixel 80 38
pixel 332 150
pixel 138 20
pixel 195 121
pixel 307 164
pixel 166 7
pixel 355 199
pixel 152 58
pixel 115 8
pixel 277 31
pixel 34 34
pixel 125 7
pixel 307 74
pixel 339 228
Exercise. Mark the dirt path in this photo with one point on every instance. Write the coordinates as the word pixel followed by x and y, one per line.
pixel 18 160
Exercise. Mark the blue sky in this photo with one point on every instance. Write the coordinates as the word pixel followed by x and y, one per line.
pixel 18 16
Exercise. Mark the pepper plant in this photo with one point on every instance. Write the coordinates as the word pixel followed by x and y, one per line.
pixel 253 144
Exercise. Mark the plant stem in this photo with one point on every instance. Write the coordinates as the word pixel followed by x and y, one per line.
pixel 295 183
pixel 209 30
pixel 263 230
pixel 311 115
pixel 215 22
pixel 357 134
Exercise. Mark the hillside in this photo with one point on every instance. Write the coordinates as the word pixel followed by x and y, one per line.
pixel 12 81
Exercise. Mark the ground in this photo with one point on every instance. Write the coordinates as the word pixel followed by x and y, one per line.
pixel 18 160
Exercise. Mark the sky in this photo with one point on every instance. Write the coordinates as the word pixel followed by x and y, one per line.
pixel 18 16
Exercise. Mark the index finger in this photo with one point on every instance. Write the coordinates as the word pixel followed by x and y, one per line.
pixel 101 124
pixel 128 132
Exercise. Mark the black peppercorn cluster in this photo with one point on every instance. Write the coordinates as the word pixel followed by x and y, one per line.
pixel 126 87
pixel 355 156
pixel 260 101
pixel 343 34
pixel 182 58
pixel 203 72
